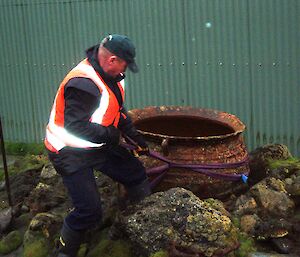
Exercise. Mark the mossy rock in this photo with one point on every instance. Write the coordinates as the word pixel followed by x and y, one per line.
pixel 160 254
pixel 21 223
pixel 10 242
pixel 247 245
pixel 111 248
pixel 290 163
pixel 37 248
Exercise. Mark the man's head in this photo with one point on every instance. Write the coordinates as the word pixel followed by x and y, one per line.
pixel 116 53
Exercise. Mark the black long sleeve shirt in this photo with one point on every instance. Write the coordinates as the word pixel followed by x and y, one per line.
pixel 82 97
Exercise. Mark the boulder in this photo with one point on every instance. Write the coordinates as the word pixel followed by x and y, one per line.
pixel 293 187
pixel 45 197
pixel 10 242
pixel 39 237
pixel 272 198
pixel 260 157
pixel 179 219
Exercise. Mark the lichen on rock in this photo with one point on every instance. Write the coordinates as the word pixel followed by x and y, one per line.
pixel 176 215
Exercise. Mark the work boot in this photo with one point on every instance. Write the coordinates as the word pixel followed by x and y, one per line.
pixel 139 192
pixel 69 242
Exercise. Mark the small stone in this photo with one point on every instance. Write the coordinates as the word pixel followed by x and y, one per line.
pixel 5 218
pixel 248 223
pixel 2 186
pixel 24 208
pixel 245 205
pixel 48 171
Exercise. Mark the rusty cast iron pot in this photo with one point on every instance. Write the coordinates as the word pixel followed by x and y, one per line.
pixel 192 136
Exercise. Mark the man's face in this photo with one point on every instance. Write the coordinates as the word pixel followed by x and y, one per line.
pixel 118 66
pixel 115 66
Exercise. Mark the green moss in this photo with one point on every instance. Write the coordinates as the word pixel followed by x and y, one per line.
pixel 37 248
pixel 246 245
pixel 288 163
pixel 82 250
pixel 22 222
pixel 236 222
pixel 160 254
pixel 13 148
pixel 11 242
pixel 24 163
pixel 110 248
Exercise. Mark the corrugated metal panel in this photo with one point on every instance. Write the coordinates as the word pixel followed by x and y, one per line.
pixel 274 38
pixel 16 104
pixel 239 56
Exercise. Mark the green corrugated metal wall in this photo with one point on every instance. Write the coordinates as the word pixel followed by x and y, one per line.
pixel 239 56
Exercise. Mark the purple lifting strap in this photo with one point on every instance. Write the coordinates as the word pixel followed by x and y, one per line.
pixel 200 168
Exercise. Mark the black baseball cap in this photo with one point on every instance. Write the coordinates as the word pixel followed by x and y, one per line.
pixel 122 47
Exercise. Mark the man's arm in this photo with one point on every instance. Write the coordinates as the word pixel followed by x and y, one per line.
pixel 127 128
pixel 81 100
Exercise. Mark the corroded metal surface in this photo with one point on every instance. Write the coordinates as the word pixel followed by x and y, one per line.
pixel 192 136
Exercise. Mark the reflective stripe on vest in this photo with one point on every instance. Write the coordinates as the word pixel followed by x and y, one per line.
pixel 108 112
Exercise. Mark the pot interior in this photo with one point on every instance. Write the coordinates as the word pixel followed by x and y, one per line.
pixel 183 126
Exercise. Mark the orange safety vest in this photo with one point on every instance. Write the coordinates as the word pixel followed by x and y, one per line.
pixel 108 112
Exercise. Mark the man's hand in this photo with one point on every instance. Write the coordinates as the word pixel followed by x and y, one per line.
pixel 140 151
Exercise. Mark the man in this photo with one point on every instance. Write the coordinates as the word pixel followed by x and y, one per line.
pixel 83 134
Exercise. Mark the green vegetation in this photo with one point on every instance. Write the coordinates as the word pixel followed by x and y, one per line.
pixel 111 248
pixel 247 245
pixel 160 254
pixel 291 163
pixel 236 222
pixel 23 163
pixel 12 148
pixel 10 242
pixel 36 248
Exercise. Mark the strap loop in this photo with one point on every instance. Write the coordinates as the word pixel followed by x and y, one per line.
pixel 204 169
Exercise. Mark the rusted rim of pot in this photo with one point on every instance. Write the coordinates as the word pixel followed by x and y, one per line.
pixel 220 117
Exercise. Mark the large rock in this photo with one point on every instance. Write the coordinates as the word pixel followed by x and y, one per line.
pixel 177 217
pixel 45 197
pixel 259 160
pixel 39 237
pixel 272 198
pixel 21 185
pixel 268 198
pixel 293 187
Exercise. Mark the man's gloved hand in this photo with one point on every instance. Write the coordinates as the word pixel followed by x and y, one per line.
pixel 140 151
pixel 142 147
pixel 113 135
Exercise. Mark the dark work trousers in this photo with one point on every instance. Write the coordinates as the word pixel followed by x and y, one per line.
pixel 77 170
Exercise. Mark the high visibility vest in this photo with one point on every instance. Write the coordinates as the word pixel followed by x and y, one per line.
pixel 108 112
